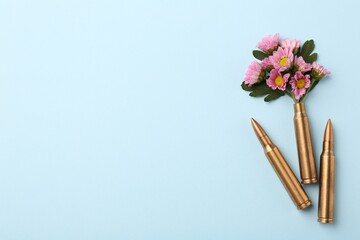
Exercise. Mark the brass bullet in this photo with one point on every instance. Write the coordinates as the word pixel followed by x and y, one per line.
pixel 282 168
pixel 308 173
pixel 327 177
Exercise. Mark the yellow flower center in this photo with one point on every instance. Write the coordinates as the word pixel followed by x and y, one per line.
pixel 283 61
pixel 279 81
pixel 300 83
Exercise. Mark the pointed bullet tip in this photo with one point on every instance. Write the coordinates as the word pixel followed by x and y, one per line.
pixel 254 122
pixel 329 135
pixel 258 129
pixel 260 133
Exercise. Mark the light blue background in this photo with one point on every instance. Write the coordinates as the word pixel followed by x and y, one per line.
pixel 126 120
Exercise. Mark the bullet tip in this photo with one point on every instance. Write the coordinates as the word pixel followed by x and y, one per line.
pixel 257 128
pixel 329 135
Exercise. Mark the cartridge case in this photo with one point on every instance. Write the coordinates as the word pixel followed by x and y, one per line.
pixel 327 178
pixel 308 173
pixel 282 169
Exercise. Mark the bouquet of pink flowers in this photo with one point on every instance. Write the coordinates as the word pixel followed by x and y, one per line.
pixel 286 68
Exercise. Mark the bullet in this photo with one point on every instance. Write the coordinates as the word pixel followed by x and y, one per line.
pixel 282 168
pixel 327 177
pixel 308 172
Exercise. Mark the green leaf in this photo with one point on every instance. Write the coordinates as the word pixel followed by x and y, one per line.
pixel 260 91
pixel 274 95
pixel 246 87
pixel 312 58
pixel 259 55
pixel 307 48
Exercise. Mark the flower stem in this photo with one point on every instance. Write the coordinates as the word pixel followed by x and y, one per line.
pixel 307 91
pixel 291 95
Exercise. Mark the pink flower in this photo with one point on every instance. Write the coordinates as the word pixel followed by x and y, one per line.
pixel 299 84
pixel 282 59
pixel 318 71
pixel 301 65
pixel 277 81
pixel 292 44
pixel 266 64
pixel 254 73
pixel 269 44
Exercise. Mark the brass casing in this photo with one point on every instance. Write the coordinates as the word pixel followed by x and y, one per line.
pixel 282 169
pixel 307 164
pixel 327 178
